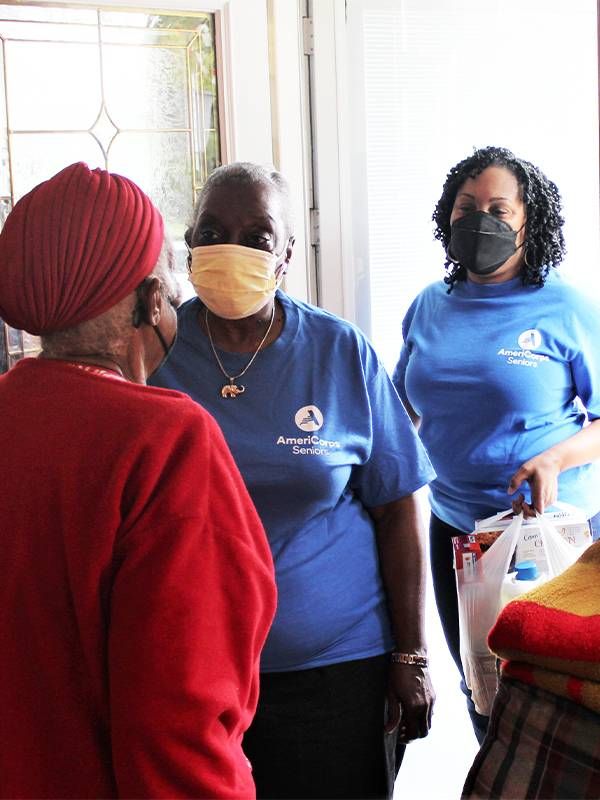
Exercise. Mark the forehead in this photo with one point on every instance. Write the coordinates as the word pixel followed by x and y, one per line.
pixel 494 181
pixel 242 203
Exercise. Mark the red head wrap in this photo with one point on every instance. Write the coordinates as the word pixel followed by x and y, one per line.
pixel 75 246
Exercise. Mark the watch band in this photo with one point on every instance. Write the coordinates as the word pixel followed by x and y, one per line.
pixel 410 658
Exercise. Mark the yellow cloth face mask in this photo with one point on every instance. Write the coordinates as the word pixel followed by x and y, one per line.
pixel 233 281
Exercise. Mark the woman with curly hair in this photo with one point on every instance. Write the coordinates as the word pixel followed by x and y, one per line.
pixel 500 366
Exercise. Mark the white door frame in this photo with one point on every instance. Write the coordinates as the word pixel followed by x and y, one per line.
pixel 329 97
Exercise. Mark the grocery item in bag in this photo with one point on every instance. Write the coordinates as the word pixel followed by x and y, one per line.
pixel 525 577
pixel 568 520
pixel 481 566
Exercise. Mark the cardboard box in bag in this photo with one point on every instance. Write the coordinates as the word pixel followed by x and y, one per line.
pixel 574 529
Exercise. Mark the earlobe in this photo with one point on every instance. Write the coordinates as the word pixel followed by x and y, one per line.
pixel 147 308
pixel 155 307
pixel 288 254
pixel 154 303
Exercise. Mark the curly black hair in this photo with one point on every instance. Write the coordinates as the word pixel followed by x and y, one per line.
pixel 544 242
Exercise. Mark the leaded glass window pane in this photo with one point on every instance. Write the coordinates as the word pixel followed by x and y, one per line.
pixel 133 92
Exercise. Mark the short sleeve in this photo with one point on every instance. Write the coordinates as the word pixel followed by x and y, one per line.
pixel 585 362
pixel 398 464
pixel 399 374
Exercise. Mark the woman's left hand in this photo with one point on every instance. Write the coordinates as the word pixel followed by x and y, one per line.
pixel 410 699
pixel 541 473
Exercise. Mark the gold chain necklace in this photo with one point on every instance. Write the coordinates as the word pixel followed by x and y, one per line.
pixel 231 389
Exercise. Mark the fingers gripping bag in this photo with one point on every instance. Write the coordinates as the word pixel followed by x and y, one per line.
pixel 569 521
pixel 481 561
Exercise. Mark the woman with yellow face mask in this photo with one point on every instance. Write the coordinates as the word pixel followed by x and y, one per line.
pixel 331 461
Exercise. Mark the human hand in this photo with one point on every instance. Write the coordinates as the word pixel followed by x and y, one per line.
pixel 410 699
pixel 541 473
pixel 520 506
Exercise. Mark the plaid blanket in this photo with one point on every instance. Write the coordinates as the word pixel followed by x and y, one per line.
pixel 538 745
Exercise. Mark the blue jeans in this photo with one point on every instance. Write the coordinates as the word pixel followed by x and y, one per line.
pixel 444 587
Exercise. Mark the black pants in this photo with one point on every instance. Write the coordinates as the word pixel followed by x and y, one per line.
pixel 318 733
pixel 446 600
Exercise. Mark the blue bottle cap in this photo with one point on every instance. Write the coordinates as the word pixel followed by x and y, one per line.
pixel 527 571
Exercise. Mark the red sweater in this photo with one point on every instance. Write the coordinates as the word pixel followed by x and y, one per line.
pixel 136 592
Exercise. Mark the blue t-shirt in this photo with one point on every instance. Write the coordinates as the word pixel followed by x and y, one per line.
pixel 494 371
pixel 319 435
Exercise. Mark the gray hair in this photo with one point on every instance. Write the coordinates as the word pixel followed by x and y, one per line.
pixel 110 332
pixel 246 173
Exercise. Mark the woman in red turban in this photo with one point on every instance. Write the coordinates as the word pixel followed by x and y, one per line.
pixel 137 583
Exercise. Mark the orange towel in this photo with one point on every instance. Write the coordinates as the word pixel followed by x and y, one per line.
pixel 550 637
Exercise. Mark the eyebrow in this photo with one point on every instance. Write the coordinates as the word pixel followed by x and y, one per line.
pixel 265 221
pixel 472 197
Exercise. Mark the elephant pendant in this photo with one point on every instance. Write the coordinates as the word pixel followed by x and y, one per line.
pixel 231 390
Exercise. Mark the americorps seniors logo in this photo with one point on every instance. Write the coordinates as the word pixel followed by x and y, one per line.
pixel 526 356
pixel 309 418
pixel 530 340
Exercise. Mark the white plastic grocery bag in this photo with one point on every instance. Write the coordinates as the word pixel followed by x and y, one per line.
pixel 478 582
pixel 479 578
pixel 559 553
